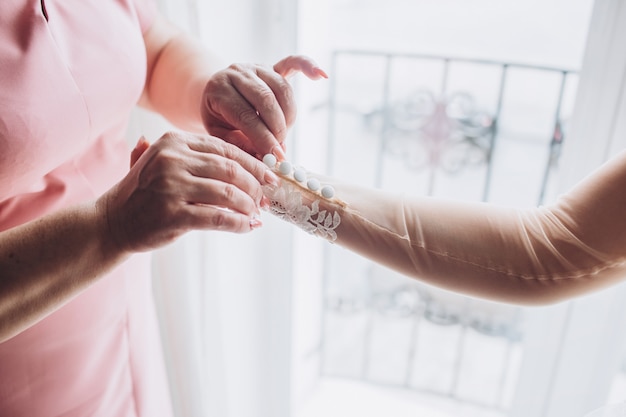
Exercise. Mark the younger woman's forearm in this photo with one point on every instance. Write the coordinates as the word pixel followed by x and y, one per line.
pixel 524 256
pixel 519 256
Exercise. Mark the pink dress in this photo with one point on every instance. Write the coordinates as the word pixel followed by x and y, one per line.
pixel 70 73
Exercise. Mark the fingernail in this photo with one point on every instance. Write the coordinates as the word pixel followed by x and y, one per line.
pixel 271 178
pixel 255 223
pixel 278 153
pixel 320 72
pixel 265 202
pixel 142 142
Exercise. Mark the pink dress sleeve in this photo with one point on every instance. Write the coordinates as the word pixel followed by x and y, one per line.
pixel 523 256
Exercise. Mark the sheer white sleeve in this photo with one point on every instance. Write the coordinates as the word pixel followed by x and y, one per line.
pixel 525 256
pixel 297 200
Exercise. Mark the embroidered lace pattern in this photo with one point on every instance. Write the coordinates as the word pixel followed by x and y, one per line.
pixel 287 203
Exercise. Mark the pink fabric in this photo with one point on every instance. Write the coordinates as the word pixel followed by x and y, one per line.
pixel 67 85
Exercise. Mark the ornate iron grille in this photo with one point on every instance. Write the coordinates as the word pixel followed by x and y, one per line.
pixel 454 132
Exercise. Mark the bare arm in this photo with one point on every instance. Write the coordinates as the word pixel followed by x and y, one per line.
pixel 181 183
pixel 178 69
pixel 46 262
pixel 248 105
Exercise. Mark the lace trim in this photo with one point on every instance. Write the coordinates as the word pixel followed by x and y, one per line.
pixel 286 203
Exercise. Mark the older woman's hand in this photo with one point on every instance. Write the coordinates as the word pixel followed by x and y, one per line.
pixel 252 106
pixel 180 183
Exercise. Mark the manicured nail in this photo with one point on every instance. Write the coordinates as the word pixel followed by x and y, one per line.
pixel 320 72
pixel 141 146
pixel 278 152
pixel 255 223
pixel 271 178
pixel 265 202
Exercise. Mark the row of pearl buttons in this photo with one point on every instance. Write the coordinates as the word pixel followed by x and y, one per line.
pixel 285 168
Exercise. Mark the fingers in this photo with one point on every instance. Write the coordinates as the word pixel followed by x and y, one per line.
pixel 227 187
pixel 203 170
pixel 218 194
pixel 236 138
pixel 213 218
pixel 223 183
pixel 253 107
pixel 184 182
pixel 227 163
pixel 223 191
pixel 283 95
pixel 299 63
pixel 257 103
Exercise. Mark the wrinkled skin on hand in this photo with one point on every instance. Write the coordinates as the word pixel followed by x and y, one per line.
pixel 180 183
pixel 253 107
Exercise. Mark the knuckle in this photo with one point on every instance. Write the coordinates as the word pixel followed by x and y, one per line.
pixel 285 91
pixel 237 67
pixel 289 101
pixel 219 220
pixel 267 99
pixel 232 170
pixel 164 160
pixel 248 117
pixel 281 132
pixel 162 172
pixel 228 193
pixel 228 151
pixel 170 137
pixel 210 144
pixel 211 102
pixel 177 215
pixel 258 195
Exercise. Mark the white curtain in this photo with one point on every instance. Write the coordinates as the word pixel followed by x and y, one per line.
pixel 224 300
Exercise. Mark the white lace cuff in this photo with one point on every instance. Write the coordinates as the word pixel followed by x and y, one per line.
pixel 297 200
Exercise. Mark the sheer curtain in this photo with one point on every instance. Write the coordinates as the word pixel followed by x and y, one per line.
pixel 224 300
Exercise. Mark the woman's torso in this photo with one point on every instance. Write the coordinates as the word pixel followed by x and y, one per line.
pixel 69 78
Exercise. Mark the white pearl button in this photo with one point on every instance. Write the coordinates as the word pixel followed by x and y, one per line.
pixel 328 191
pixel 313 184
pixel 269 160
pixel 285 168
pixel 299 175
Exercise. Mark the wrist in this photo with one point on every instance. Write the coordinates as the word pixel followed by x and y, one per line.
pixel 108 233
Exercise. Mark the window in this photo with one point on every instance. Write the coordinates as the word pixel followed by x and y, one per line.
pixel 505 76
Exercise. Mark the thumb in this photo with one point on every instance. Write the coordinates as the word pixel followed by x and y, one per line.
pixel 141 146
pixel 299 63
